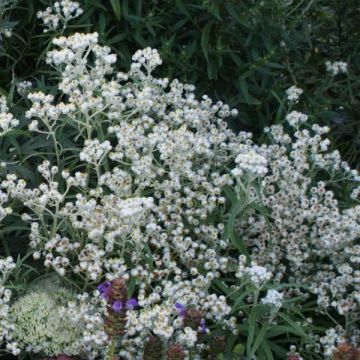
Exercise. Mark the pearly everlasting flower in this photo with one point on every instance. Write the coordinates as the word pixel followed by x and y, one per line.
pixel 4 210
pixel 329 342
pixel 255 274
pixel 23 87
pixel 188 337
pixel 250 162
pixel 59 14
pixel 296 118
pixel 7 120
pixel 336 67
pixel 293 94
pixel 147 58
pixel 7 265
pixel 273 298
pixel 94 151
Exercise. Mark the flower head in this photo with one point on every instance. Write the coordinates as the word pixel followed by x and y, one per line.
pixel 104 289
pixel 203 326
pixel 131 304
pixel 117 306
pixel 180 309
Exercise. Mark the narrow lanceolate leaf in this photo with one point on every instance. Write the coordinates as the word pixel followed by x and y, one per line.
pixel 266 349
pixel 244 89
pixel 292 323
pixel 252 328
pixel 116 8
pixel 233 13
pixel 259 340
pixel 205 35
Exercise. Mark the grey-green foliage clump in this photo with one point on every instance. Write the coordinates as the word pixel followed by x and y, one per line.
pixel 41 327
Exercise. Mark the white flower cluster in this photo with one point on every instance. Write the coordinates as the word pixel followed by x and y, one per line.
pixel 59 14
pixel 273 298
pixel 332 338
pixel 255 274
pixel 7 265
pixel 147 58
pixel 293 94
pixel 4 211
pixel 7 120
pixel 336 67
pixel 86 311
pixel 250 162
pixel 188 337
pixel 310 240
pixel 24 87
pixel 295 118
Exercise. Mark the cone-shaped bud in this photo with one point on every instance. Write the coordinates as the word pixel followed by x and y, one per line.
pixel 192 318
pixel 217 344
pixel 153 348
pixel 293 357
pixel 115 318
pixel 346 352
pixel 175 352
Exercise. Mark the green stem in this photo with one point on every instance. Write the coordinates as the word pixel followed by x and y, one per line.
pixel 57 153
pixel 112 349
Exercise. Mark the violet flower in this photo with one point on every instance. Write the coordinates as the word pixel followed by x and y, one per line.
pixel 117 306
pixel 104 289
pixel 180 309
pixel 203 326
pixel 131 304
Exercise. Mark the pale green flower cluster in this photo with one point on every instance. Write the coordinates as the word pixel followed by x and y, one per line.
pixel 41 326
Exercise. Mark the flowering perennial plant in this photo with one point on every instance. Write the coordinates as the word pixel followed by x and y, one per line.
pixel 59 14
pixel 183 223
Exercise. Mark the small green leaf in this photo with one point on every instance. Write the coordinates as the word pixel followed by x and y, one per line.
pixel 244 89
pixel 102 23
pixel 212 70
pixel 125 8
pixel 252 328
pixel 266 349
pixel 231 10
pixel 259 339
pixel 182 7
pixel 292 323
pixel 205 34
pixel 131 286
pixel 116 8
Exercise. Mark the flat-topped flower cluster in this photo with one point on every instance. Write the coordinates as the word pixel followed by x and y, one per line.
pixel 163 202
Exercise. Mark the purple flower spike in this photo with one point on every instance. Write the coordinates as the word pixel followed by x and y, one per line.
pixel 203 326
pixel 117 306
pixel 180 309
pixel 104 289
pixel 131 304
